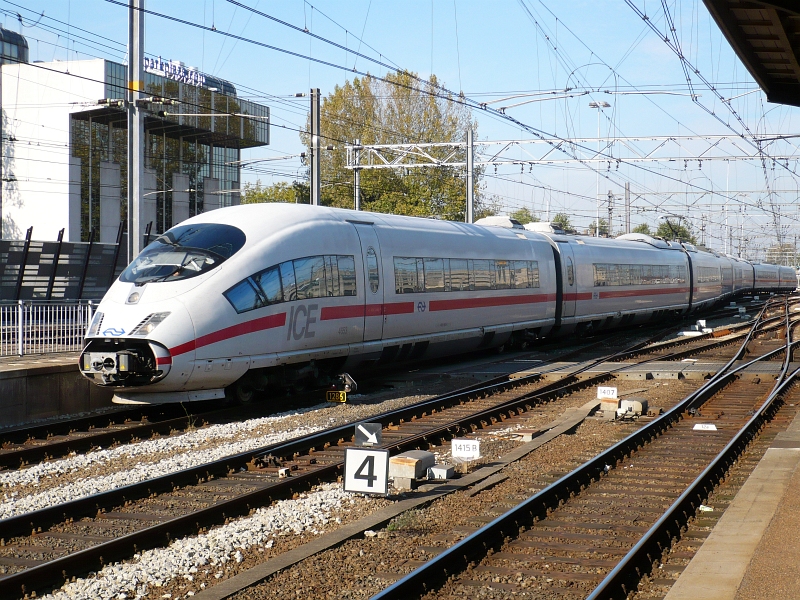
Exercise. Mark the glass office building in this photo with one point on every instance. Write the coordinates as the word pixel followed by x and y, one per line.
pixel 192 148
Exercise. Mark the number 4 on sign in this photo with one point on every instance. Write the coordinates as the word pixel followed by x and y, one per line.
pixel 366 471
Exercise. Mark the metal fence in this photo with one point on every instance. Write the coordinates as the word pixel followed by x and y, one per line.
pixel 41 327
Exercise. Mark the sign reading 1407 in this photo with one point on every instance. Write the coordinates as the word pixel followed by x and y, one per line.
pixel 366 470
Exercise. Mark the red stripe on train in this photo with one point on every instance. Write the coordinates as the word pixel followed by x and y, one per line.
pixel 461 303
pixel 268 322
pixel 630 293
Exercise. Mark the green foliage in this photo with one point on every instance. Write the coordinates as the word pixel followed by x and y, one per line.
pixel 524 215
pixel 673 230
pixel 643 228
pixel 404 111
pixel 295 192
pixel 603 227
pixel 562 219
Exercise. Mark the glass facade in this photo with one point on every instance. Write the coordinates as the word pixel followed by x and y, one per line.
pixel 200 145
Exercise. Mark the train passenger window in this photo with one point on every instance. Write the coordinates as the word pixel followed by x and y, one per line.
pixel 243 296
pixel 420 274
pixel 533 273
pixel 405 275
pixel 372 270
pixel 519 273
pixel 459 275
pixel 270 283
pixel 599 275
pixel 310 277
pixel 570 272
pixel 332 275
pixel 483 273
pixel 287 279
pixel 347 275
pixel 447 285
pixel 502 274
pixel 434 274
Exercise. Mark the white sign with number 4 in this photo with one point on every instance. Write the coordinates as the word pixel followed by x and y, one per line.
pixel 366 471
pixel 466 449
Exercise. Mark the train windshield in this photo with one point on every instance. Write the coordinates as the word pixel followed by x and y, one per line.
pixel 184 251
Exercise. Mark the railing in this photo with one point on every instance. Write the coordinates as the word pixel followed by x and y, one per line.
pixel 42 327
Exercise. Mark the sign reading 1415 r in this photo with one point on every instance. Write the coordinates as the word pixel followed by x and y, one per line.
pixel 366 471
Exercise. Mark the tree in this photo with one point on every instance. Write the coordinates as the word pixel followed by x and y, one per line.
pixel 399 110
pixel 603 228
pixel 671 230
pixel 562 220
pixel 295 192
pixel 643 228
pixel 524 215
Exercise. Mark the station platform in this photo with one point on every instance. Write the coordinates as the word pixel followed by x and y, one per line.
pixel 42 386
pixel 753 552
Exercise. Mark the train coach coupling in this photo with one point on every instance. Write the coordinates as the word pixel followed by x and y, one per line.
pixel 124 364
pixel 343 383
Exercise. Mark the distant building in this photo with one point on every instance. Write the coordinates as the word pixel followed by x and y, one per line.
pixel 65 145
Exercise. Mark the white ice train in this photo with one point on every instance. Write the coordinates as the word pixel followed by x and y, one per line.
pixel 252 296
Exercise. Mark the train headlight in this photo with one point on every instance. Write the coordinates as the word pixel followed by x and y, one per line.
pixel 94 327
pixel 147 326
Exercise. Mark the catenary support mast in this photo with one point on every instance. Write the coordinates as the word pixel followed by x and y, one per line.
pixel 135 125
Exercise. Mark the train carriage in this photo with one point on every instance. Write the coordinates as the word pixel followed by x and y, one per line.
pixel 252 296
pixel 621 281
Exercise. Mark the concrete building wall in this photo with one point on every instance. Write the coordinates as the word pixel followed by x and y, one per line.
pixel 37 101
pixel 109 202
pixel 211 200
pixel 180 198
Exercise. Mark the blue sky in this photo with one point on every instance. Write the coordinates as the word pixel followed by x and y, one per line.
pixel 488 50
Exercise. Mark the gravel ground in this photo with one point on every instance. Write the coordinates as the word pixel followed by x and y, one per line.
pixel 57 481
pixel 363 567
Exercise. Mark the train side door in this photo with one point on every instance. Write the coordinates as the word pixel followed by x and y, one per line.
pixel 372 283
pixel 569 280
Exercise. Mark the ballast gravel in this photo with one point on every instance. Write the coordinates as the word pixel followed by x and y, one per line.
pixel 54 482
pixel 183 558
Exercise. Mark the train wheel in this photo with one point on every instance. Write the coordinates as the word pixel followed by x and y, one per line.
pixel 244 393
pixel 240 393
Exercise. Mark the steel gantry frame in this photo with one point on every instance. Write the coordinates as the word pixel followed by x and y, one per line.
pixel 627 149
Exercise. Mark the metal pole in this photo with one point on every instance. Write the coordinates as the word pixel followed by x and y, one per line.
pixel 628 207
pixel 470 176
pixel 135 125
pixel 357 175
pixel 610 214
pixel 20 327
pixel 315 147
pixel 2 145
pixel 597 172
pixel 90 172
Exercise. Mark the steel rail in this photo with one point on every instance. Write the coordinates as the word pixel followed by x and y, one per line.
pixel 55 572
pixel 639 560
pixel 458 557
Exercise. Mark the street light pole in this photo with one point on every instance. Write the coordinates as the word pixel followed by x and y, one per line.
pixel 599 106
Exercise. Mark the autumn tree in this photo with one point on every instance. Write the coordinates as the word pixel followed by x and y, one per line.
pixel 562 220
pixel 282 191
pixel 673 230
pixel 524 215
pixel 398 109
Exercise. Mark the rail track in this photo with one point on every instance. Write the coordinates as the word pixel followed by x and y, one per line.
pixel 598 529
pixel 25 445
pixel 51 545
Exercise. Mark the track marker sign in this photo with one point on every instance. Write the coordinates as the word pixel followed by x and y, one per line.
pixel 465 449
pixel 606 392
pixel 366 470
pixel 368 434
